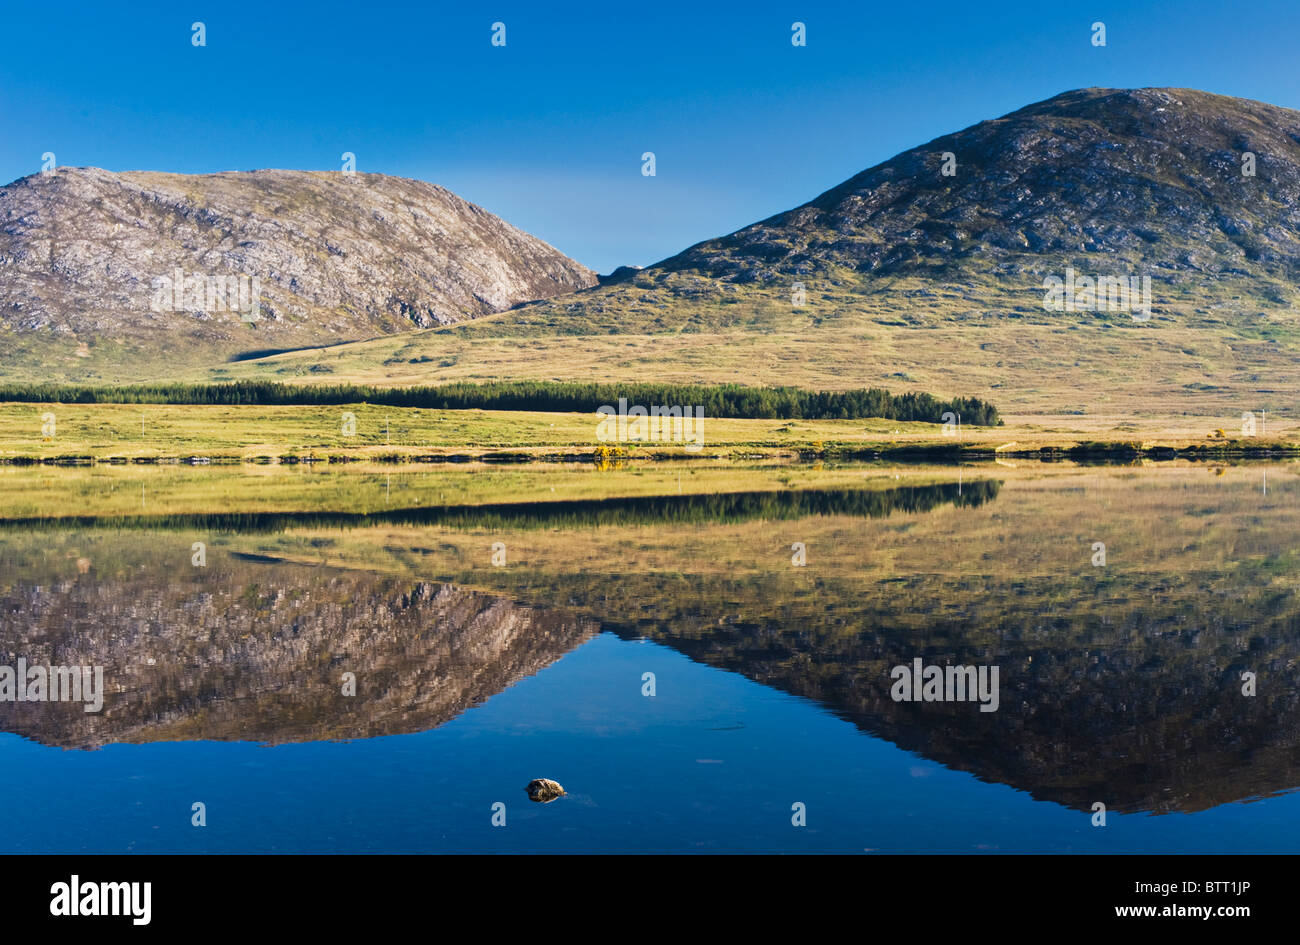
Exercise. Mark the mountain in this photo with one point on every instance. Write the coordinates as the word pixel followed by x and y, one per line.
pixel 1148 179
pixel 1197 193
pixel 120 267
pixel 909 278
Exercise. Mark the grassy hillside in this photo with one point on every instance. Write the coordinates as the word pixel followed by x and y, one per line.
pixel 1210 359
pixel 908 279
pixel 913 279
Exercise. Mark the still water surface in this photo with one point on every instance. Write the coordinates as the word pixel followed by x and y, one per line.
pixel 1120 681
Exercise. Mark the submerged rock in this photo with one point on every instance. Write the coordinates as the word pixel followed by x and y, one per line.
pixel 544 790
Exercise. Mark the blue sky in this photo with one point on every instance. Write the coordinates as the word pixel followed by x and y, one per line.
pixel 548 131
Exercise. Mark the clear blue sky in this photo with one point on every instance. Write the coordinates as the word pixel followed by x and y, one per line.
pixel 548 131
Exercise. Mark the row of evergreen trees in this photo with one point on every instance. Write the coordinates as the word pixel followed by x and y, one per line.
pixel 706 509
pixel 723 400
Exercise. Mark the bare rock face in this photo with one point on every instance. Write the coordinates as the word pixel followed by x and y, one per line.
pixel 223 263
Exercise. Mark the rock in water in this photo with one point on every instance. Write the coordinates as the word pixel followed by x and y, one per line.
pixel 544 790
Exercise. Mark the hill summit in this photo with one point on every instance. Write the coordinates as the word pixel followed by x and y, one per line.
pixel 209 265
pixel 1182 184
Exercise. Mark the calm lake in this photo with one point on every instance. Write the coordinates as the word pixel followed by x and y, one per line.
pixel 380 660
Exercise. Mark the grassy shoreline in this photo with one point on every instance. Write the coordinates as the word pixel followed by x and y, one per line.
pixel 908 454
pixel 121 434
pixel 420 496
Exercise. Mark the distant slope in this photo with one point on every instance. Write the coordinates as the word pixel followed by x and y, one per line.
pixel 88 258
pixel 1104 182
pixel 1145 179
pixel 916 280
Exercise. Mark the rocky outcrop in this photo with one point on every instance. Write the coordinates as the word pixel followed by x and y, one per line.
pixel 94 257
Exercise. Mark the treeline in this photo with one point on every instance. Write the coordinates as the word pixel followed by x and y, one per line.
pixel 704 509
pixel 721 400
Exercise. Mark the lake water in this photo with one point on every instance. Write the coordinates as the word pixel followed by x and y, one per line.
pixel 702 672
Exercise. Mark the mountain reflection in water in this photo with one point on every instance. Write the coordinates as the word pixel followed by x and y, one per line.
pixel 1122 685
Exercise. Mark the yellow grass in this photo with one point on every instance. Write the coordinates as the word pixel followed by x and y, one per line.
pixel 107 431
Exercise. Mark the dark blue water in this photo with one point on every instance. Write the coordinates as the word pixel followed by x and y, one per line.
pixel 1119 685
pixel 712 762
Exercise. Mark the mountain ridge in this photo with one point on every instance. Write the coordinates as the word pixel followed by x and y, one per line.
pixel 905 278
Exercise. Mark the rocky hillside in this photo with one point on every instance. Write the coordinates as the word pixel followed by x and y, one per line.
pixel 1150 179
pixel 208 266
pixel 927 272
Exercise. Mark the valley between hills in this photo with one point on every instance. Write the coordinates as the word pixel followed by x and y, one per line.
pixel 905 277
